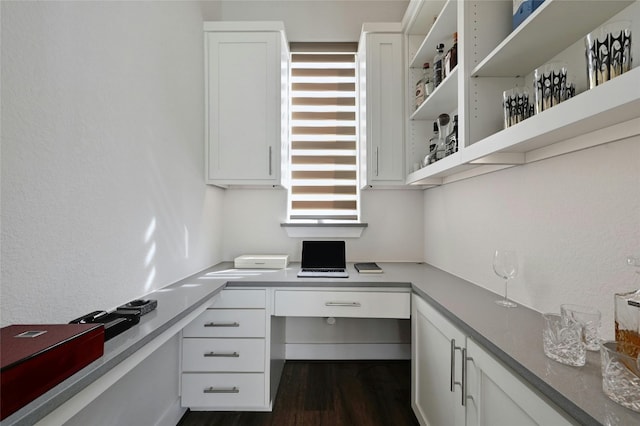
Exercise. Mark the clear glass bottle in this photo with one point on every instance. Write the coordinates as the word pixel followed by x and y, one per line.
pixel 627 311
pixel 433 143
pixel 451 143
pixel 428 81
pixel 443 127
pixel 438 75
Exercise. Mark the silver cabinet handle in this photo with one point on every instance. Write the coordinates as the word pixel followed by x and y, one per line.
pixel 347 304
pixel 377 162
pixel 465 359
pixel 452 380
pixel 452 368
pixel 270 166
pixel 222 355
pixel 221 390
pixel 222 324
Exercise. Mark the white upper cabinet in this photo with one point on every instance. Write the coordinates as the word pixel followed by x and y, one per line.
pixel 381 84
pixel 494 57
pixel 246 84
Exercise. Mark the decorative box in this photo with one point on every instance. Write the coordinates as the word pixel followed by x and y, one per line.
pixel 522 9
pixel 35 358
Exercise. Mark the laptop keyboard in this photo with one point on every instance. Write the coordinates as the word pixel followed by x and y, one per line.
pixel 322 270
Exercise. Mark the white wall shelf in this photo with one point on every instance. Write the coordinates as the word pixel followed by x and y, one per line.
pixel 544 34
pixel 443 99
pixel 604 114
pixel 439 33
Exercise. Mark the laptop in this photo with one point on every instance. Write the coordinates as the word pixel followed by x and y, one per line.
pixel 323 259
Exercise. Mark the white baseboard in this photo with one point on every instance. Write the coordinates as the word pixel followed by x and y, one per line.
pixel 347 351
pixel 172 414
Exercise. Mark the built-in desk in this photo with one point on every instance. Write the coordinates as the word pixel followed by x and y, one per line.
pixel 511 336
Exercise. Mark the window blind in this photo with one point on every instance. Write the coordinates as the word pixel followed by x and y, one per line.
pixel 323 133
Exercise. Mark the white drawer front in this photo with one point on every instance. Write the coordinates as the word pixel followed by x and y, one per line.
pixel 211 390
pixel 248 299
pixel 228 323
pixel 357 304
pixel 228 355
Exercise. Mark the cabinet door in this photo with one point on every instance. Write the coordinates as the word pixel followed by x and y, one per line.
pixel 436 395
pixel 496 397
pixel 243 107
pixel 384 110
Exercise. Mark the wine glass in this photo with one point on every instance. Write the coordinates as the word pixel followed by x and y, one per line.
pixel 505 265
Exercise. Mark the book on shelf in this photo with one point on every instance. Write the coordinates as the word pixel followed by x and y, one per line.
pixel 368 268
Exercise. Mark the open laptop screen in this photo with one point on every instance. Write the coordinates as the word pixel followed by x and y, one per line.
pixel 323 254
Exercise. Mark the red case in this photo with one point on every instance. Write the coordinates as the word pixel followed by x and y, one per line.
pixel 33 365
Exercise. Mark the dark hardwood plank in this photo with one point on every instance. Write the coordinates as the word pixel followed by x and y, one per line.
pixel 329 393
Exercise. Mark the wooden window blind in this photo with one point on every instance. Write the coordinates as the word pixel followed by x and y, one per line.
pixel 323 133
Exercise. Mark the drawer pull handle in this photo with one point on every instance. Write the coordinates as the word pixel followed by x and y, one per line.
pixel 222 390
pixel 222 324
pixel 347 304
pixel 222 354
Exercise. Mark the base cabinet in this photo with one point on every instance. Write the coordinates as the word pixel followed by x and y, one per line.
pixel 495 396
pixel 457 382
pixel 226 355
pixel 436 346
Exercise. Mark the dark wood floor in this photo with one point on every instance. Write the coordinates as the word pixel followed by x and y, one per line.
pixel 318 393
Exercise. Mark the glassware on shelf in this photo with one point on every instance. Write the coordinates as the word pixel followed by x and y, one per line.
pixel 505 265
pixel 451 142
pixel 443 130
pixel 608 52
pixel 433 143
pixel 438 69
pixel 516 106
pixel 551 86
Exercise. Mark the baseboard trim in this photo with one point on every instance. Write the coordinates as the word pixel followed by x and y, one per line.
pixel 350 351
pixel 172 414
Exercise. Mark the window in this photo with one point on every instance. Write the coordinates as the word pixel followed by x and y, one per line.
pixel 323 133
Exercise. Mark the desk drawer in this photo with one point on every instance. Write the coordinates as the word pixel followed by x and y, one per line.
pixel 356 304
pixel 237 355
pixel 228 323
pixel 243 299
pixel 221 390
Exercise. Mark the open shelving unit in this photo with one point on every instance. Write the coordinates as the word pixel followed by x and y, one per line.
pixel 603 114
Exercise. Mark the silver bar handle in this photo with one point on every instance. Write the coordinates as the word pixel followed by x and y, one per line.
pixel 222 324
pixel 377 162
pixel 221 355
pixel 221 390
pixel 270 165
pixel 452 368
pixel 465 359
pixel 347 304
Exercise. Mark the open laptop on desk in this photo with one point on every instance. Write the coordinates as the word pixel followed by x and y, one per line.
pixel 323 259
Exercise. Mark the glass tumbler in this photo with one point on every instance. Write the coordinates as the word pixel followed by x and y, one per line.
pixel 589 317
pixel 621 373
pixel 550 85
pixel 563 340
pixel 608 52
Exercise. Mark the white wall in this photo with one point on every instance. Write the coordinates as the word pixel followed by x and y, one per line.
pixel 573 220
pixel 252 219
pixel 103 197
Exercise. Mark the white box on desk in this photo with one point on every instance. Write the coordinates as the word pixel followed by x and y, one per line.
pixel 264 261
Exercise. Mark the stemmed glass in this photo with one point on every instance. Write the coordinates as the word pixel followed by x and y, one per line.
pixel 505 265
